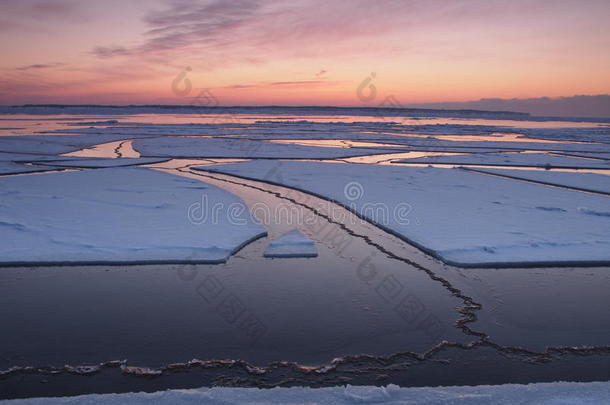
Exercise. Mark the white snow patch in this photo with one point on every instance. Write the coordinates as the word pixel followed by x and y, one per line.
pixel 118 215
pixel 515 394
pixel 291 244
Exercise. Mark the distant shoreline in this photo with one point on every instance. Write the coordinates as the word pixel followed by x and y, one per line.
pixel 93 109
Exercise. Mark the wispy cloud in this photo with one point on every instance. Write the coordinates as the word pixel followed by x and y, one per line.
pixel 37 66
pixel 422 50
pixel 110 51
pixel 237 29
pixel 34 13
pixel 302 83
pixel 292 83
pixel 187 22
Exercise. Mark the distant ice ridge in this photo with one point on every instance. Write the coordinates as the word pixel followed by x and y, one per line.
pixel 291 244
pixel 557 393
pixel 462 217
pixel 119 215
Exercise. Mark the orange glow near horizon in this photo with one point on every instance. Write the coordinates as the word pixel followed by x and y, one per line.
pixel 309 52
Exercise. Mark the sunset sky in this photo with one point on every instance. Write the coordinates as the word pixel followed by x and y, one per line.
pixel 308 52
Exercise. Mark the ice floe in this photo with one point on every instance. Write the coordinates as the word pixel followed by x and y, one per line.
pixel 463 217
pixel 291 244
pixel 590 155
pixel 182 147
pixel 54 144
pixel 512 159
pixel 97 162
pixel 515 394
pixel 119 215
pixel 379 131
pixel 32 145
pixel 26 157
pixel 8 167
pixel 507 145
pixel 595 134
pixel 582 181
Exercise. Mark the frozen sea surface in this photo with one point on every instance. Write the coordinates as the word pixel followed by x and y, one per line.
pixel 54 144
pixel 594 182
pixel 513 159
pixel 180 147
pixel 9 167
pixel 124 215
pixel 464 218
pixel 69 161
pixel 365 293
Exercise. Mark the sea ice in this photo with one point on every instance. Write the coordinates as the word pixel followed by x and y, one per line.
pixel 119 215
pixel 32 145
pixel 182 147
pixel 291 244
pixel 69 161
pixel 26 157
pixel 557 393
pixel 8 167
pixel 388 132
pixel 463 217
pixel 590 155
pixel 512 159
pixel 585 134
pixel 582 181
pixel 54 144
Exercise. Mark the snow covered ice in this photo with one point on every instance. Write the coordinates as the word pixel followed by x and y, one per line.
pixel 8 167
pixel 594 182
pixel 69 161
pixel 512 159
pixel 122 215
pixel 464 218
pixel 291 244
pixel 559 393
pixel 236 148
